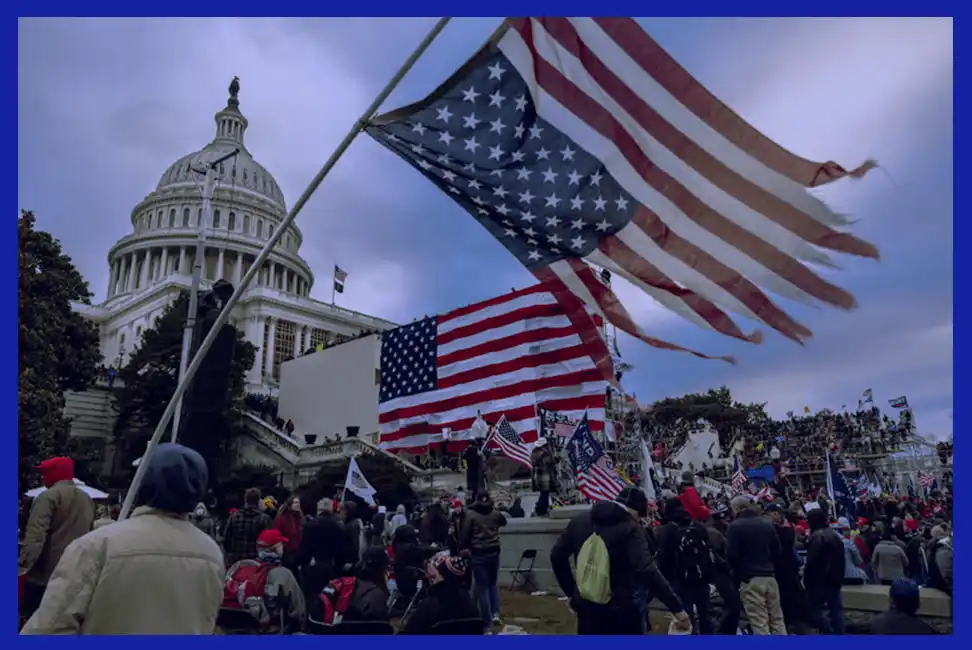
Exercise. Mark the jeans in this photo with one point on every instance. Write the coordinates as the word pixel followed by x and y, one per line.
pixel 485 570
pixel 641 599
pixel 695 599
pixel 543 503
pixel 827 598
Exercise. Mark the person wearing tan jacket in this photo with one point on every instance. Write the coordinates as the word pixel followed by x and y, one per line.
pixel 59 515
pixel 153 573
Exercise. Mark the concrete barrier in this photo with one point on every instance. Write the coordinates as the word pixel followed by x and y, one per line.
pixel 540 534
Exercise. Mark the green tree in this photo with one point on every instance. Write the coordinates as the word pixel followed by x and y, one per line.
pixel 715 406
pixel 149 379
pixel 58 348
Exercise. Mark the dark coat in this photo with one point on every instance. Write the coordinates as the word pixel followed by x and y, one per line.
pixel 895 622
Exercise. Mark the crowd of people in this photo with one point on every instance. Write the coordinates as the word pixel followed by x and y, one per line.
pixel 273 566
pixel 777 563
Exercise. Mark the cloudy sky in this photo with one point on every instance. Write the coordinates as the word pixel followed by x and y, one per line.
pixel 105 105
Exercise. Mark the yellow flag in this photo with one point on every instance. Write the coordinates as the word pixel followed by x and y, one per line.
pixel 806 409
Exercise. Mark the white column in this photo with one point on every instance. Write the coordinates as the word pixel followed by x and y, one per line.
pixel 220 274
pixel 145 268
pixel 182 259
pixel 131 272
pixel 163 271
pixel 297 330
pixel 112 276
pixel 285 278
pixel 238 269
pixel 270 341
pixel 273 275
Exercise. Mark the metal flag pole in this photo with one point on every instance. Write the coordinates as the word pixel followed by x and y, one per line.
pixel 208 190
pixel 262 257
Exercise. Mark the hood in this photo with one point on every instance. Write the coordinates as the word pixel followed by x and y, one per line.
pixel 608 513
pixel 175 479
pixel 675 512
pixel 56 469
pixel 482 507
pixel 400 510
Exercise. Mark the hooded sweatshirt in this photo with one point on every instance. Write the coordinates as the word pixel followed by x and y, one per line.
pixel 480 529
pixel 59 515
pixel 693 504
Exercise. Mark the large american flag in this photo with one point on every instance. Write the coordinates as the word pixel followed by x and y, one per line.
pixel 579 140
pixel 507 355
pixel 596 478
pixel 507 440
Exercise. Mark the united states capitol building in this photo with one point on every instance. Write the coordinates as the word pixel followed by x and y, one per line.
pixel 150 266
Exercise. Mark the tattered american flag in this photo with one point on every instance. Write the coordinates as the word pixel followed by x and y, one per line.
pixel 579 140
pixel 596 478
pixel 506 439
pixel 507 355
pixel 926 480
pixel 739 478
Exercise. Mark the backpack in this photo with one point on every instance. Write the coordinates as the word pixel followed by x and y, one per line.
pixel 336 598
pixel 693 557
pixel 594 571
pixel 248 580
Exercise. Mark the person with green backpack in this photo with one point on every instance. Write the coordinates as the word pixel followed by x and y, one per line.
pixel 613 561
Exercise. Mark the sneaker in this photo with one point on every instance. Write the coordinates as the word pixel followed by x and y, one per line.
pixel 496 619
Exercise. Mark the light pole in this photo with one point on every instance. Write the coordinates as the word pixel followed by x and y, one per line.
pixel 209 188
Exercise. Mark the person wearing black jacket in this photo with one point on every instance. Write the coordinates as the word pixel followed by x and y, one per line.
pixel 723 581
pixel 823 574
pixel 694 590
pixel 753 549
pixel 632 566
pixel 793 599
pixel 410 559
pixel 902 617
pixel 325 551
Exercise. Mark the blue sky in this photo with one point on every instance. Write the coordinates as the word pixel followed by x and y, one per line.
pixel 105 105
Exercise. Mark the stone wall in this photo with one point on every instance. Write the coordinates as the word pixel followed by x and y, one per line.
pixel 861 602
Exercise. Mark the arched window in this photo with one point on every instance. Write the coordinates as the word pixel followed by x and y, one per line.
pixel 260 228
pixel 270 231
pixel 158 220
pixel 185 217
pixel 172 218
pixel 215 219
pixel 246 224
pixel 231 222
pixel 198 217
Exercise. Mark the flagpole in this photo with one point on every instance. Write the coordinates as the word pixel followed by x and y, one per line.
pixel 262 257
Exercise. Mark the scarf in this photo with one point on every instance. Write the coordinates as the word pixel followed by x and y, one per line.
pixel 267 556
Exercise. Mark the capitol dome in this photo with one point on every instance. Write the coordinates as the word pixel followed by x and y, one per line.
pixel 247 207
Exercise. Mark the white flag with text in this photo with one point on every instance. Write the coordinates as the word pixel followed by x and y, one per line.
pixel 358 484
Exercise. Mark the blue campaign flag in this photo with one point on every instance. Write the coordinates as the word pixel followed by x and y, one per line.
pixel 839 491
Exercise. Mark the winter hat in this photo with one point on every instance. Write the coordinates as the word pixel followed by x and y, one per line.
pixel 905 595
pixel 634 498
pixel 843 524
pixel 446 569
pixel 688 477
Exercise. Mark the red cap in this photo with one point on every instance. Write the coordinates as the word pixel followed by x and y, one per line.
pixel 271 537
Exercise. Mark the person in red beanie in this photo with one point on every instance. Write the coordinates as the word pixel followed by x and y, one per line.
pixel 264 587
pixel 59 515
pixel 691 500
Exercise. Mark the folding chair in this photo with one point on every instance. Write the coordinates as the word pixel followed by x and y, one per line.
pixel 460 627
pixel 522 576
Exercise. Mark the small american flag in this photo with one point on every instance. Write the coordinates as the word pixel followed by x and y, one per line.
pixel 563 429
pixel 596 478
pixel 507 356
pixel 926 480
pixel 507 440
pixel 578 141
pixel 739 478
pixel 899 402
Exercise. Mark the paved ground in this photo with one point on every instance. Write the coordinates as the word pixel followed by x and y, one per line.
pixel 548 615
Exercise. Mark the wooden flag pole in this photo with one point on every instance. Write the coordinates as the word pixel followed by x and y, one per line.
pixel 262 257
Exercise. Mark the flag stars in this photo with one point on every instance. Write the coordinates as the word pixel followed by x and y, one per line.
pixel 553 221
pixel 518 131
pixel 573 178
pixel 526 197
pixel 475 185
pixel 500 192
pixel 470 95
pixel 496 71
pixel 495 153
pixel 449 176
pixel 552 201
pixel 521 103
pixel 567 153
pixel 444 159
pixel 471 121
pixel 554 239
pixel 599 204
pixel 577 243
pixel 523 174
pixel 596 179
pixel 503 210
pixel 534 255
pixel 509 232
pixel 446 138
pixel 543 154
pixel 424 164
pixel 535 132
pixel 518 156
pixel 496 99
pixel 549 176
pixel 471 145
pixel 419 149
pixel 603 225
pixel 577 224
pixel 530 232
pixel 621 203
pixel 577 203
pixel 443 114
pixel 528 216
pixel 497 126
